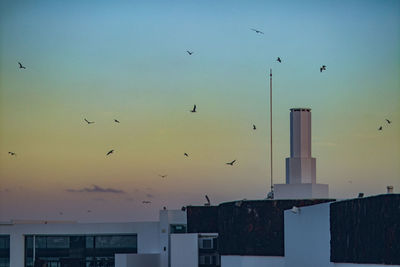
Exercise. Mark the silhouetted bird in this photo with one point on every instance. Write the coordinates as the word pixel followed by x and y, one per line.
pixel 257 31
pixel 117 121
pixel 380 128
pixel 231 163
pixel 163 176
pixel 189 52
pixel 322 68
pixel 88 122
pixel 110 152
pixel 388 121
pixel 360 195
pixel 12 153
pixel 186 154
pixel 146 202
pixel 194 109
pixel 208 201
pixel 254 127
pixel 20 66
pixel 279 60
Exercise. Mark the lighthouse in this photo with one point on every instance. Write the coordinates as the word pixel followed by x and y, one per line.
pixel 300 166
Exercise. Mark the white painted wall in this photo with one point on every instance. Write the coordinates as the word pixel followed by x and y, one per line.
pixel 252 261
pixel 147 233
pixel 184 250
pixel 168 217
pixel 137 260
pixel 307 237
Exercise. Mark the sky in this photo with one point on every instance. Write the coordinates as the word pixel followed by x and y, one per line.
pixel 127 60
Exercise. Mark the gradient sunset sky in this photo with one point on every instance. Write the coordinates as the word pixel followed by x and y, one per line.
pixel 127 60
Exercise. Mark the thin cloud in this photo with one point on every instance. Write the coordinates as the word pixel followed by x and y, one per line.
pixel 96 189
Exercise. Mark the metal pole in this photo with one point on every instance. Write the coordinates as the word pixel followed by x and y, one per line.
pixel 270 118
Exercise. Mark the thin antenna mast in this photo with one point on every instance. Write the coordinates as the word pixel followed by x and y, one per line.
pixel 270 119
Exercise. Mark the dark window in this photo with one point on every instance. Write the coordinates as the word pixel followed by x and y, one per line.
pixel 78 250
pixel 207 243
pixel 4 251
pixel 89 242
pixel 57 242
pixel 115 241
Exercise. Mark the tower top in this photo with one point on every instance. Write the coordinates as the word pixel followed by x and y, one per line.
pixel 301 109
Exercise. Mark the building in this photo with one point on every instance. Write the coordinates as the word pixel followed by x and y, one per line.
pixel 301 227
pixel 88 244
pixel 244 233
pixel 301 181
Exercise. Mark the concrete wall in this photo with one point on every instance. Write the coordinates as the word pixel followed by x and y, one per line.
pixel 252 261
pixel 137 260
pixel 307 237
pixel 147 233
pixel 168 217
pixel 184 250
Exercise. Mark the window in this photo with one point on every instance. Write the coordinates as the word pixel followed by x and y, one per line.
pixel 206 243
pixel 4 250
pixel 178 228
pixel 90 250
pixel 209 259
pixel 57 242
pixel 115 241
pixel 89 242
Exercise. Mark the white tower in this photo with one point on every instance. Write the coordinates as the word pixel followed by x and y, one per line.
pixel 300 166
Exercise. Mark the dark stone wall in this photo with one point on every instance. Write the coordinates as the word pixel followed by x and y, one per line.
pixel 255 227
pixel 366 230
pixel 202 219
pixel 246 227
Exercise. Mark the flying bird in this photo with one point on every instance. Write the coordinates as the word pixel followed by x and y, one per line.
pixel 186 154
pixel 12 153
pixel 322 68
pixel 380 128
pixel 208 201
pixel 20 66
pixel 254 127
pixel 110 152
pixel 388 121
pixel 117 121
pixel 194 109
pixel 279 60
pixel 88 122
pixel 257 31
pixel 231 163
pixel 163 176
pixel 146 202
pixel 189 52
